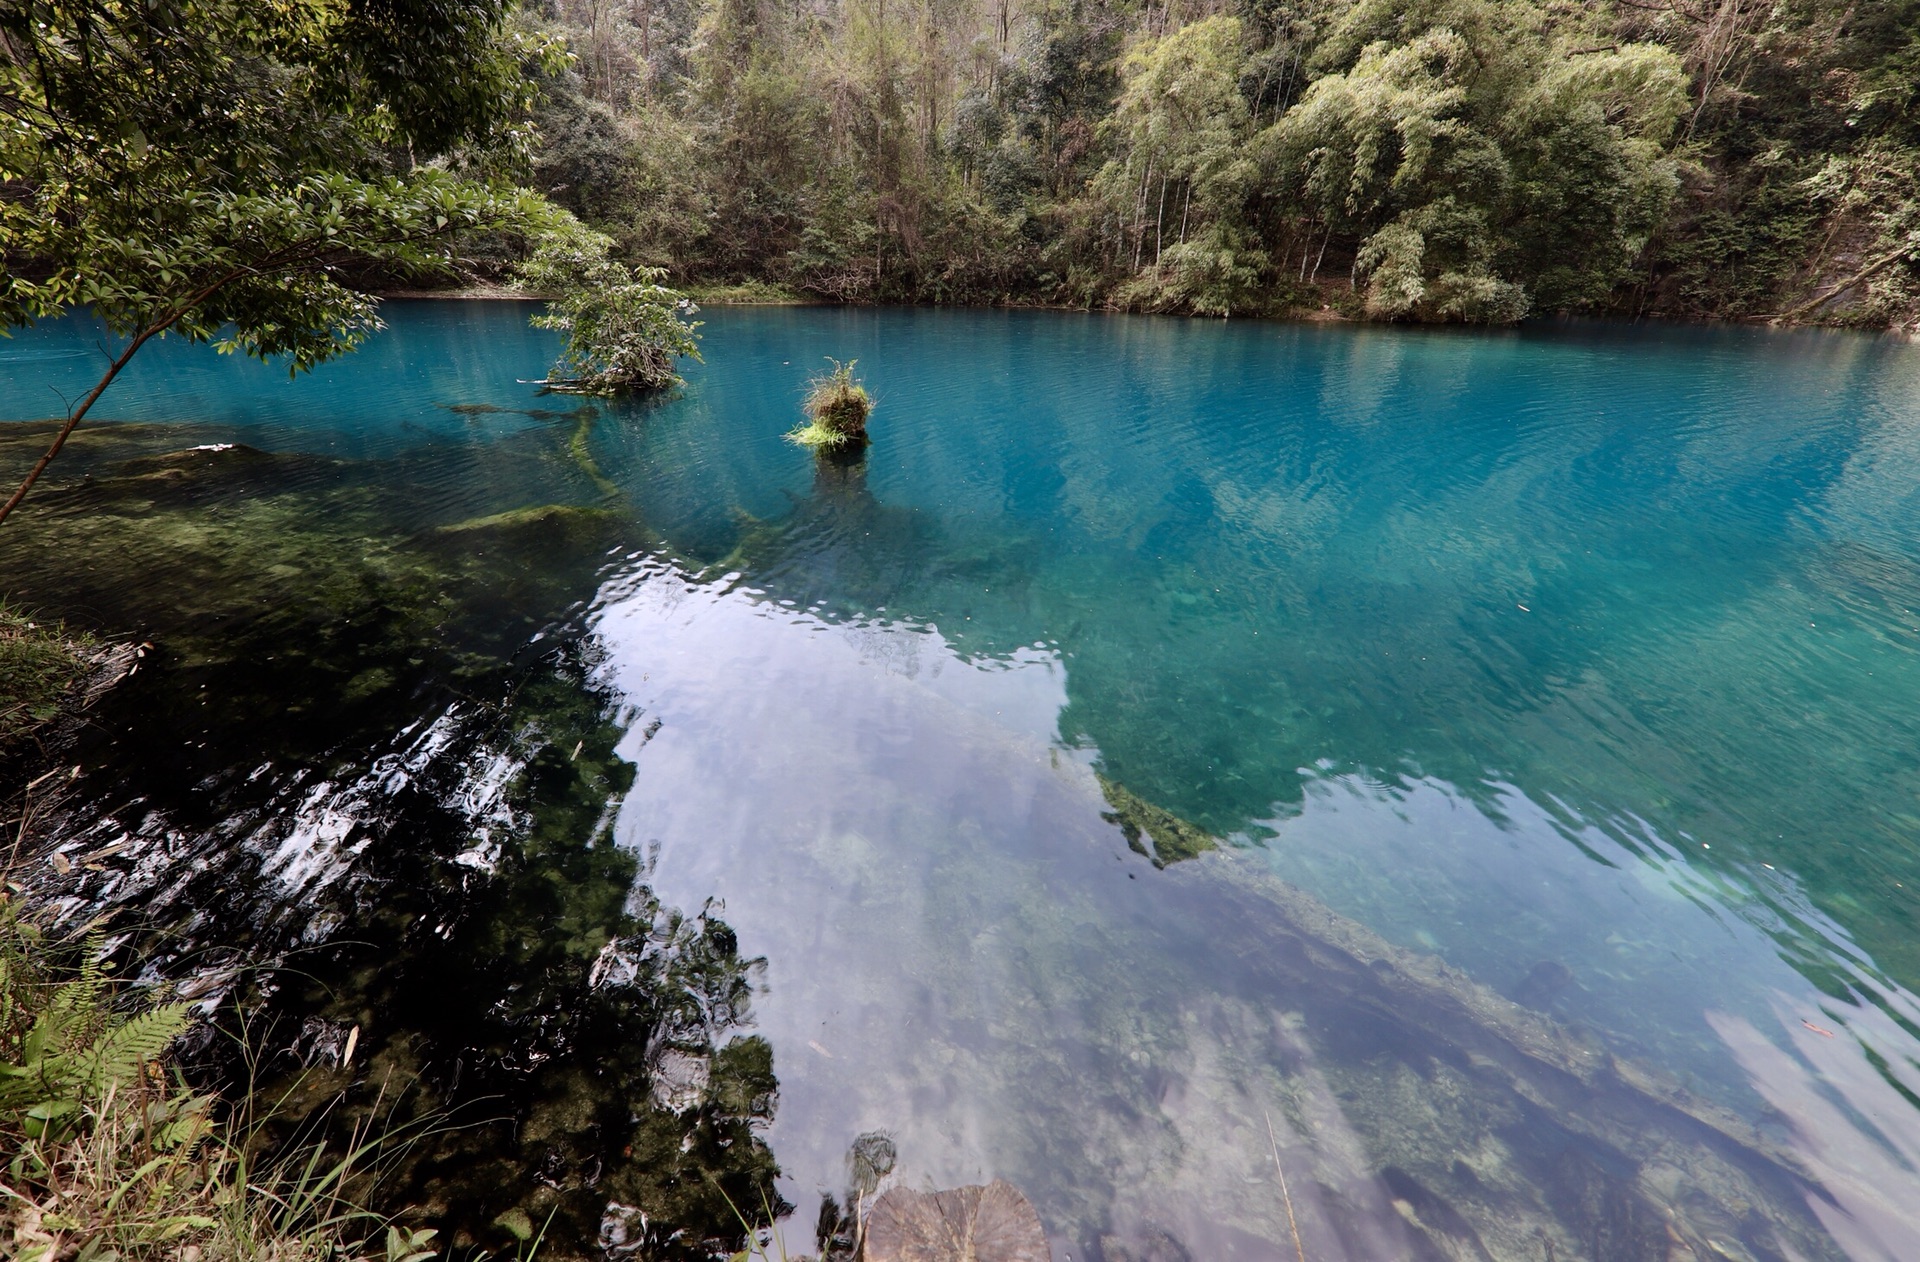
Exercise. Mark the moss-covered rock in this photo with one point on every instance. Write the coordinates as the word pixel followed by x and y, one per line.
pixel 1152 831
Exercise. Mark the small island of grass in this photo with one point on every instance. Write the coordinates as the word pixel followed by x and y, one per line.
pixel 837 409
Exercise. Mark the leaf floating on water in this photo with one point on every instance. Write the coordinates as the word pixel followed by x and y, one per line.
pixel 995 1223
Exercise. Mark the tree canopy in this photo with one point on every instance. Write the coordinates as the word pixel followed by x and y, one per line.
pixel 215 169
pixel 1392 159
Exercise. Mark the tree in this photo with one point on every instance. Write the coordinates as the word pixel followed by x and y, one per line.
pixel 207 168
pixel 1474 155
pixel 1181 186
pixel 624 329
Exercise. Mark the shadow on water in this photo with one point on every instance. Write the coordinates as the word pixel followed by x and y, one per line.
pixel 361 785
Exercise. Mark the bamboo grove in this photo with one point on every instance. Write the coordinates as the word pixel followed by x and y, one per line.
pixel 1472 160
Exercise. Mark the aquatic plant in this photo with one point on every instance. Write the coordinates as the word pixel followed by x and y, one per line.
pixel 837 408
pixel 1153 832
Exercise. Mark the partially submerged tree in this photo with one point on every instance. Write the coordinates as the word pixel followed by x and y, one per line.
pixel 207 168
pixel 624 328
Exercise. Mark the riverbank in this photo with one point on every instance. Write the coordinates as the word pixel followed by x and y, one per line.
pixel 1337 305
pixel 111 1155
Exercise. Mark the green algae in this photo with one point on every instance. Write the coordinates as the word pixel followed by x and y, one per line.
pixel 235 559
pixel 1153 832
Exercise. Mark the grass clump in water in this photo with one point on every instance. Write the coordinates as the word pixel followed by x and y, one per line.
pixel 40 664
pixel 837 409
pixel 107 1157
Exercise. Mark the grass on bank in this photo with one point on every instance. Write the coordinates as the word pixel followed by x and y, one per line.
pixel 746 293
pixel 109 1157
pixel 40 663
pixel 837 408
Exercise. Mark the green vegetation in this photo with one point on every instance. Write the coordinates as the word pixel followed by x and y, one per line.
pixel 837 408
pixel 109 1156
pixel 624 329
pixel 1469 160
pixel 40 665
pixel 746 293
pixel 212 169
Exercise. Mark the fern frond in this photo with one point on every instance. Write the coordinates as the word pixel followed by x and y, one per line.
pixel 121 1053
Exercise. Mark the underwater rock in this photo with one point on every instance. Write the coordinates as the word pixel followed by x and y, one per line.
pixel 1544 983
pixel 871 1158
pixel 994 1223
pixel 1153 1245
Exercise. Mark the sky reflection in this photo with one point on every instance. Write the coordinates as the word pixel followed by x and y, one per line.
pixel 962 951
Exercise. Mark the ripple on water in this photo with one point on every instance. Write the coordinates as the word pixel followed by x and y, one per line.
pixel 1580 658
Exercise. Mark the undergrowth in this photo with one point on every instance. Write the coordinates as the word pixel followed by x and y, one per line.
pixel 110 1156
pixel 746 293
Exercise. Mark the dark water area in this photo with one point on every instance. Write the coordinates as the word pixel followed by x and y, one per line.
pixel 1475 776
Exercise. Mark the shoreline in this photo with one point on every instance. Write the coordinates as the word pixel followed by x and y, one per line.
pixel 727 296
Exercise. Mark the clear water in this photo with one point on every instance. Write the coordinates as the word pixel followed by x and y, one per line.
pixel 1584 659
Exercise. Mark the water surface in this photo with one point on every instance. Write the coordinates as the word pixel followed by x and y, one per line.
pixel 1582 659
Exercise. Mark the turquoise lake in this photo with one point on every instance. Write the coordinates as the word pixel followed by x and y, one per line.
pixel 1175 754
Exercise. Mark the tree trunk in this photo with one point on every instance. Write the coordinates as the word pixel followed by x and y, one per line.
pixel 1814 304
pixel 1159 222
pixel 74 418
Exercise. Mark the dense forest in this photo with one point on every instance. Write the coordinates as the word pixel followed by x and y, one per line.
pixel 1421 159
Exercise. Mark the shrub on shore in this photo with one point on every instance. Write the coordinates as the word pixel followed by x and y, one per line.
pixel 40 664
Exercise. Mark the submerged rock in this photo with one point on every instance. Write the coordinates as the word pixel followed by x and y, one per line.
pixel 569 521
pixel 1544 983
pixel 994 1223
